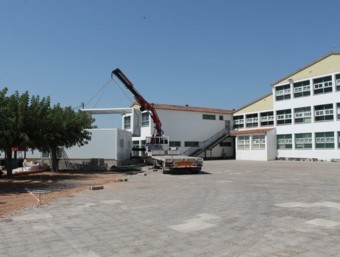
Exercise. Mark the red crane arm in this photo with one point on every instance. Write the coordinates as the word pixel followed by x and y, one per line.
pixel 145 105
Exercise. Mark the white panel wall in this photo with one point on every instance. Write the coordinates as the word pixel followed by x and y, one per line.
pixel 106 144
pixel 189 126
pixel 267 154
pixel 271 145
pixel 320 126
pixel 124 145
pixel 251 155
pixel 136 122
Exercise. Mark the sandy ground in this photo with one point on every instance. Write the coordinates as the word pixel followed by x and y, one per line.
pixel 15 193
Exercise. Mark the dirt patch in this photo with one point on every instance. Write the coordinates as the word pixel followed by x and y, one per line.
pixel 15 193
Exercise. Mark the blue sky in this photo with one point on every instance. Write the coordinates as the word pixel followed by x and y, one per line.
pixel 208 53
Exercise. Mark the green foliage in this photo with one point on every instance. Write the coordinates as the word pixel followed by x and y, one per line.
pixel 32 123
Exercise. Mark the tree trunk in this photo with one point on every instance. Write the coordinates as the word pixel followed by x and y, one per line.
pixel 55 161
pixel 9 163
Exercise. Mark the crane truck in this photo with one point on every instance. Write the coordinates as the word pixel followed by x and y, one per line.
pixel 157 146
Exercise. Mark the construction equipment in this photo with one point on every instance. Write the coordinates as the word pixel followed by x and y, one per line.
pixel 157 146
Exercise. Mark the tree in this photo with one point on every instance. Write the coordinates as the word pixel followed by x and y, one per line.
pixel 63 127
pixel 12 126
pixel 32 123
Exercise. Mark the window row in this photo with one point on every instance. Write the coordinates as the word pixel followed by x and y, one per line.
pixel 324 112
pixel 137 143
pixel 146 119
pixel 252 120
pixel 211 117
pixel 254 142
pixel 306 88
pixel 322 140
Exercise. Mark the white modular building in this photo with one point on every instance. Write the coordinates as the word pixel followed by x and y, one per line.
pixel 111 145
pixel 195 131
pixel 300 119
pixel 107 147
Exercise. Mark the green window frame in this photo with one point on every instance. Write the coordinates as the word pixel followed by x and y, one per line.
pixel 302 115
pixel 175 143
pixel 284 117
pixel 301 88
pixel 208 117
pixel 303 141
pixel 127 122
pixel 252 120
pixel 191 143
pixel 284 141
pixel 145 119
pixel 243 142
pixel 267 118
pixel 324 140
pixel 258 142
pixel 282 92
pixel 238 121
pixel 323 85
pixel 323 112
pixel 337 82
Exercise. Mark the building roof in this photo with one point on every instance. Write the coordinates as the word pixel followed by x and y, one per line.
pixel 255 101
pixel 250 131
pixel 191 109
pixel 305 67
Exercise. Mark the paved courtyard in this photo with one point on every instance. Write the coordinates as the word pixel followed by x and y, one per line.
pixel 233 208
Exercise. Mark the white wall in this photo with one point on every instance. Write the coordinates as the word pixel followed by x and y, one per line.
pixel 136 122
pixel 271 145
pixel 105 143
pixel 313 127
pixel 267 154
pixel 251 155
pixel 188 126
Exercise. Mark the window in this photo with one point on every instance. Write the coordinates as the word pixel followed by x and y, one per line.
pixel 337 82
pixel 127 122
pixel 221 117
pixel 302 115
pixel 238 122
pixel 258 142
pixel 228 144
pixel 324 140
pixel 145 119
pixel 284 141
pixel 175 143
pixel 322 85
pixel 284 117
pixel 303 141
pixel 267 118
pixel 191 143
pixel 338 139
pixel 301 88
pixel 209 117
pixel 243 143
pixel 282 92
pixel 323 112
pixel 136 147
pixel 252 120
